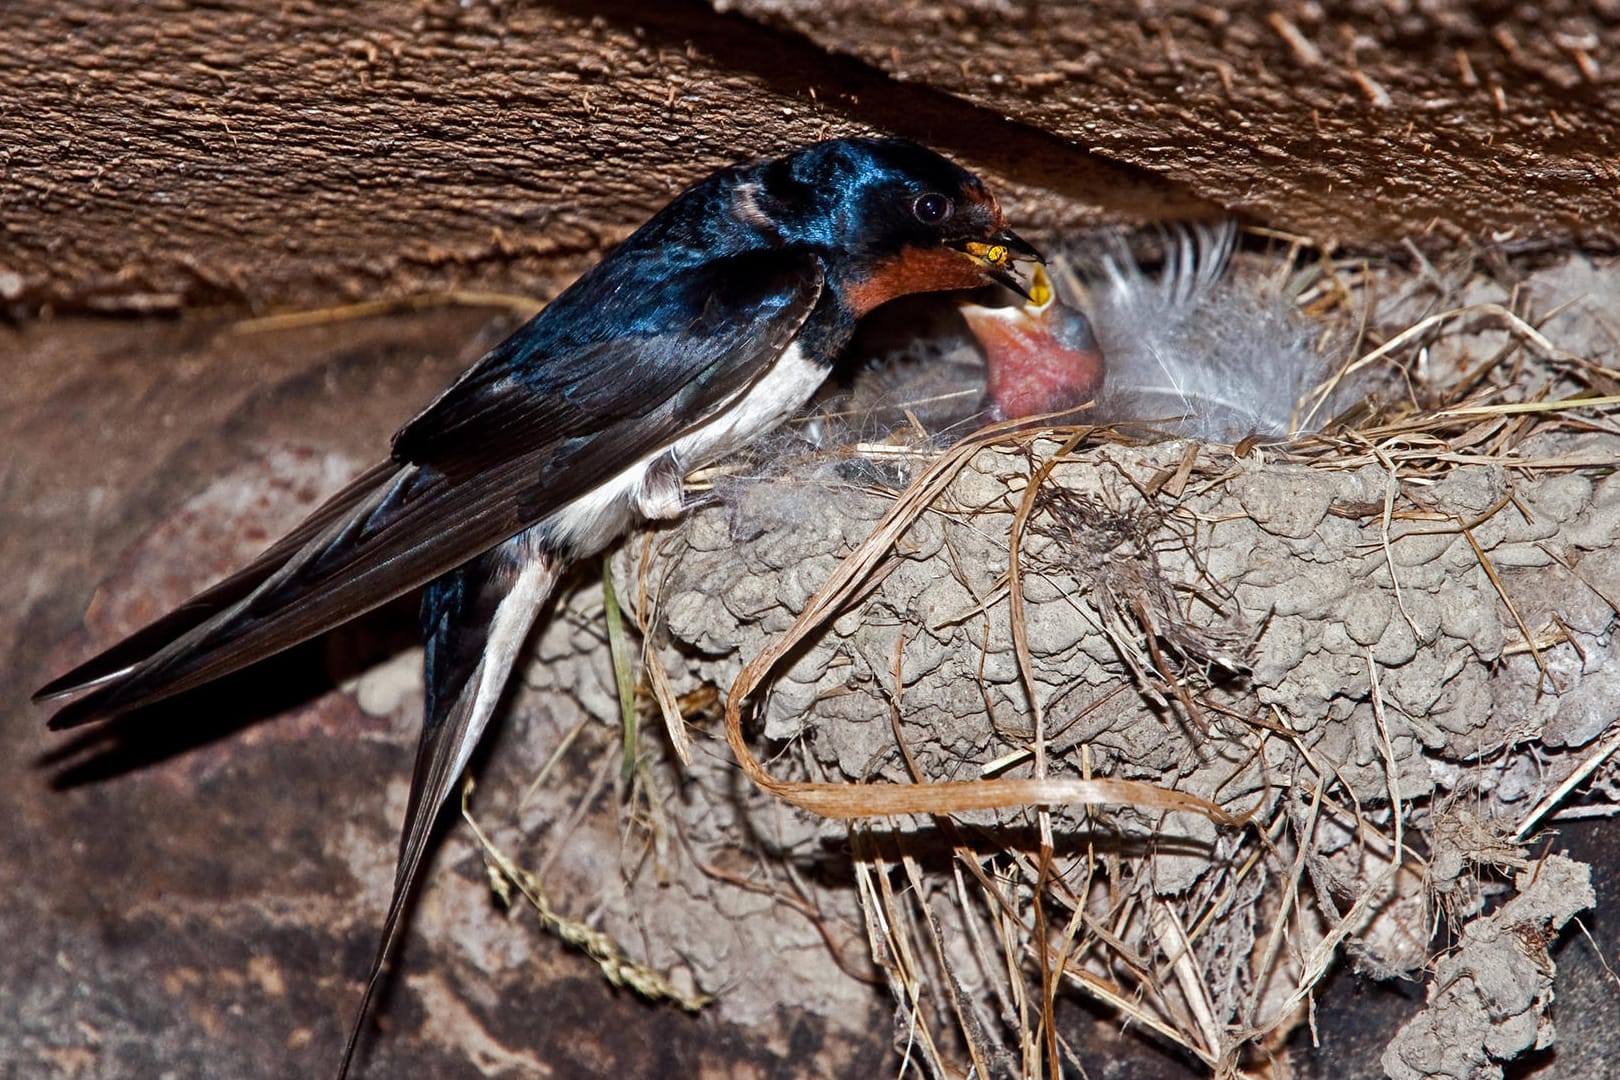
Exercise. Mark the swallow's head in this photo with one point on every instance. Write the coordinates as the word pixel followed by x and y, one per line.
pixel 895 218
pixel 1040 358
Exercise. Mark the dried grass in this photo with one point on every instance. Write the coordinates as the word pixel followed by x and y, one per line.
pixel 989 946
pixel 1057 901
pixel 1010 928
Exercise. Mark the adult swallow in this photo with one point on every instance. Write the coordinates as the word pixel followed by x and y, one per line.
pixel 1040 357
pixel 710 325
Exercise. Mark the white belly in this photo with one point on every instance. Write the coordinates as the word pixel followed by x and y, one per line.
pixel 650 488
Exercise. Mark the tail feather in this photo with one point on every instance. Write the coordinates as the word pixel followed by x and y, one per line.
pixel 393 531
pixel 265 608
pixel 476 619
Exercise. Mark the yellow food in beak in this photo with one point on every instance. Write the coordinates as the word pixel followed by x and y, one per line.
pixel 1000 256
pixel 995 255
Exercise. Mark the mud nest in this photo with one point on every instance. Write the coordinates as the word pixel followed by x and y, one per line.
pixel 1385 652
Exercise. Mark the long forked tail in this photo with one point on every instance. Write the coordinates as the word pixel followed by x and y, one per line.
pixel 476 619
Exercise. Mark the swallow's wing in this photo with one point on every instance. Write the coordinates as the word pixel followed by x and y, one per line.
pixel 117 660
pixel 520 436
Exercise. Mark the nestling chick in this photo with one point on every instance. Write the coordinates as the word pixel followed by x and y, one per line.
pixel 1040 358
pixel 1189 350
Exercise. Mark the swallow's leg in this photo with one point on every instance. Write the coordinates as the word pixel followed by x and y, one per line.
pixel 475 619
pixel 660 497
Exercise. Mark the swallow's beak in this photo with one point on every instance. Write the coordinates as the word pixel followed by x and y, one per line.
pixel 1000 255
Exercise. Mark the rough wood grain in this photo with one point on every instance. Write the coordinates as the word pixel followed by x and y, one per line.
pixel 1351 121
pixel 163 156
pixel 252 155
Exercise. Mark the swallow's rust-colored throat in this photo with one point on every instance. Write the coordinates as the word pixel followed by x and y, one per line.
pixel 915 270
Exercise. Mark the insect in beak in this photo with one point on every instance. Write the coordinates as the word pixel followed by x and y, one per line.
pixel 1000 256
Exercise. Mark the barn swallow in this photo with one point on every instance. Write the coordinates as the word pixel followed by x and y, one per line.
pixel 710 325
pixel 1040 357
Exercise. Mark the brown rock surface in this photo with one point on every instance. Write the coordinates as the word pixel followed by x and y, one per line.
pixel 255 154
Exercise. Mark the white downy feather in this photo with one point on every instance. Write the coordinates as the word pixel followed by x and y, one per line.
pixel 1190 349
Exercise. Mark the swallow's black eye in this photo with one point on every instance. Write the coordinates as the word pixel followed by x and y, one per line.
pixel 932 208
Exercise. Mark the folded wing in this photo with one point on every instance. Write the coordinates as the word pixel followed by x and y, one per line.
pixel 537 423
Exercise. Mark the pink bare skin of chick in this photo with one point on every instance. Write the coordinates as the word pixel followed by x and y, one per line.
pixel 1040 358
